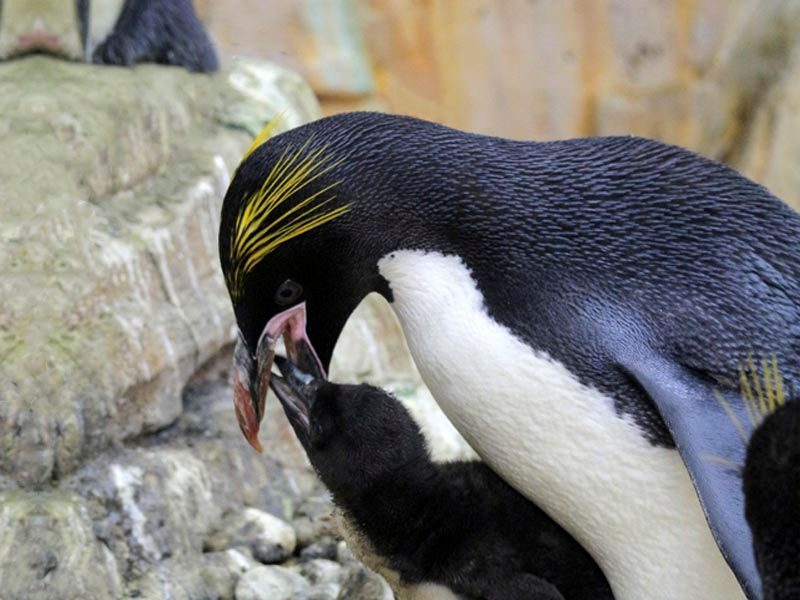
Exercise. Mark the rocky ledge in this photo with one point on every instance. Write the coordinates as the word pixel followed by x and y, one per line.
pixel 192 512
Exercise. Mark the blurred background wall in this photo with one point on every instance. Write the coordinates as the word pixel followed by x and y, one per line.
pixel 718 76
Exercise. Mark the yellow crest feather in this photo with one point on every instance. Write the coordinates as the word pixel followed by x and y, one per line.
pixel 267 132
pixel 259 230
pixel 762 394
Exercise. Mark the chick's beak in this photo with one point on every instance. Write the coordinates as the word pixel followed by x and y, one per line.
pixel 251 374
pixel 296 391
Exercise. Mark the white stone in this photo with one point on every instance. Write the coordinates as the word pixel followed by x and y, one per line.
pixel 270 583
pixel 269 538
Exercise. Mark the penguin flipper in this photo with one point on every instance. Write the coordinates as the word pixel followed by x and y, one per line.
pixel 712 448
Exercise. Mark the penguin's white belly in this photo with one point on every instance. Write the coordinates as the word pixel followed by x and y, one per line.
pixel 562 444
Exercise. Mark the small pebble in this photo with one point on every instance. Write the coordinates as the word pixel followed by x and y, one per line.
pixel 270 583
pixel 324 591
pixel 269 539
pixel 320 570
pixel 362 584
pixel 343 554
pixel 324 548
pixel 313 519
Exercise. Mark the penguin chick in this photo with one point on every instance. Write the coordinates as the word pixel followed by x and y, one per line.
pixel 772 501
pixel 455 525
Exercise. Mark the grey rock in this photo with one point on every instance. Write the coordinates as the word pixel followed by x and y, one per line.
pixel 109 208
pixel 48 550
pixel 320 570
pixel 372 347
pixel 323 548
pixel 314 519
pixel 324 591
pixel 149 505
pixel 211 575
pixel 109 205
pixel 263 88
pixel 362 584
pixel 270 539
pixel 305 530
pixel 246 552
pixel 270 583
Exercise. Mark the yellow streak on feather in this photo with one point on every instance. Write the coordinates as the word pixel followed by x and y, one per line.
pixel 256 232
pixel 731 415
pixel 762 405
pixel 265 134
pixel 762 395
pixel 747 395
pixel 759 405
pixel 768 385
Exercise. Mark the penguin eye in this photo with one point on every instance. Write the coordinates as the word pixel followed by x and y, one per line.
pixel 288 293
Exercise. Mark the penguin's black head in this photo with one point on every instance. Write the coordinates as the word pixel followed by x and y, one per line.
pixel 772 501
pixel 308 217
pixel 353 434
pixel 299 249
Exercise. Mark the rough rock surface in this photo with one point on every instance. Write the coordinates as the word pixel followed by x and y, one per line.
pixel 111 292
pixel 185 512
pixel 48 549
pixel 211 575
pixel 271 583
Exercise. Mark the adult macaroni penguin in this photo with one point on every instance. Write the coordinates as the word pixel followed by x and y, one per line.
pixel 616 284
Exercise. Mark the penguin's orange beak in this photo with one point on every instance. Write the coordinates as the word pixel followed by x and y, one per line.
pixel 251 374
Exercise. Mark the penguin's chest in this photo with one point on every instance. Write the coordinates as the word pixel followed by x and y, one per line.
pixel 556 440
